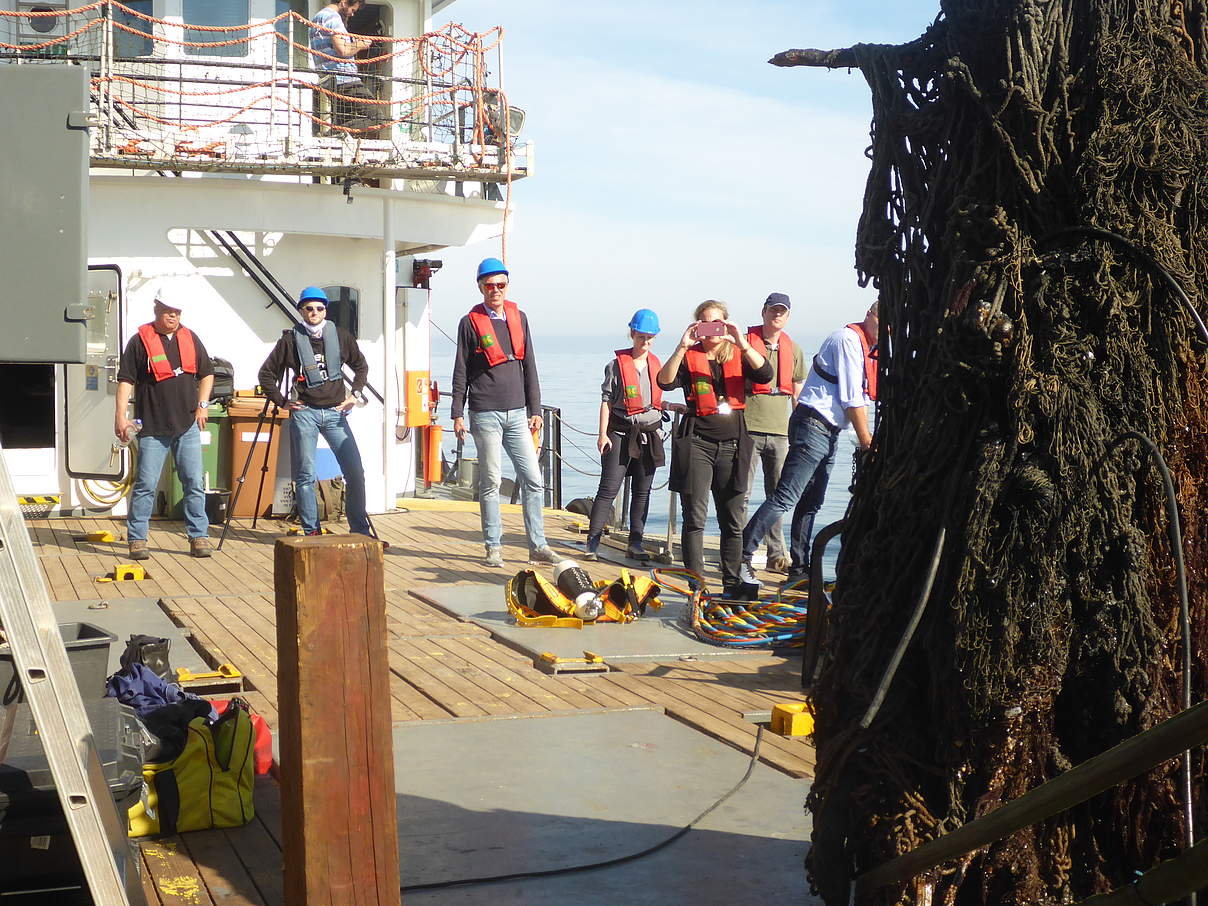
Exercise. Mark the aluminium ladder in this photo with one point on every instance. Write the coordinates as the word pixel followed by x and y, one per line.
pixel 40 662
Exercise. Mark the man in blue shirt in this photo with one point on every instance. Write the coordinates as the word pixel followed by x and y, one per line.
pixel 837 392
pixel 331 39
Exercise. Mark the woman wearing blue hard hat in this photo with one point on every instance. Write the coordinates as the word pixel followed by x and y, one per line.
pixel 629 443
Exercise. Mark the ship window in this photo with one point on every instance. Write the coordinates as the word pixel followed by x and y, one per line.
pixel 126 44
pixel 342 305
pixel 216 12
pixel 301 33
pixel 27 419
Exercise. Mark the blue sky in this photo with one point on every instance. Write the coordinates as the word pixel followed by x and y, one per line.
pixel 673 164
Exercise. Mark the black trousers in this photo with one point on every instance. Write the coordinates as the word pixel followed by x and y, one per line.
pixel 614 466
pixel 711 469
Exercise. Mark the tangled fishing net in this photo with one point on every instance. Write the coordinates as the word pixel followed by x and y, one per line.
pixel 1014 352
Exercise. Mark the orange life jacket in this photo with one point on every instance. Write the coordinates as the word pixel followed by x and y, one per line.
pixel 870 362
pixel 631 388
pixel 488 342
pixel 157 359
pixel 784 361
pixel 701 391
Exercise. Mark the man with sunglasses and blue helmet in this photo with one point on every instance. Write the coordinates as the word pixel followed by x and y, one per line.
pixel 315 352
pixel 495 376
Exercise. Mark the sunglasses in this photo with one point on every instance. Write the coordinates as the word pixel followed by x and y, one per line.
pixel 314 308
pixel 487 287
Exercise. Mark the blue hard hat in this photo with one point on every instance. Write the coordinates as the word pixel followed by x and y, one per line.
pixel 311 292
pixel 644 321
pixel 490 267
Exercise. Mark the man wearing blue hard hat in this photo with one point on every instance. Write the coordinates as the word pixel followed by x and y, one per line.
pixel 315 352
pixel 495 376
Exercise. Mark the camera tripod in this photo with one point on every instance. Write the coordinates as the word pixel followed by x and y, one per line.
pixel 247 462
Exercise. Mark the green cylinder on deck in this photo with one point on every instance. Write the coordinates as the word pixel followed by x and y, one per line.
pixel 215 463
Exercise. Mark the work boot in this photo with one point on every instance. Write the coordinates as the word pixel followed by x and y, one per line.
pixel 634 549
pixel 494 557
pixel 779 564
pixel 590 548
pixel 138 551
pixel 544 555
pixel 200 547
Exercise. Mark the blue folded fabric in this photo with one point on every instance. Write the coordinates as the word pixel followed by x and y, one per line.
pixel 140 687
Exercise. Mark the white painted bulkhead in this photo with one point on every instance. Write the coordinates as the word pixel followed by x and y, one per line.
pixel 156 229
pixel 153 225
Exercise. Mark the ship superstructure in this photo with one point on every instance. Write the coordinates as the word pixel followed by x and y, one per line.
pixel 230 160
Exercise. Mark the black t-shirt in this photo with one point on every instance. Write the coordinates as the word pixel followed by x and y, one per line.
pixel 167 407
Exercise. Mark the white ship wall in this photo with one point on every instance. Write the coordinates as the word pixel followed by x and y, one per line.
pixel 156 230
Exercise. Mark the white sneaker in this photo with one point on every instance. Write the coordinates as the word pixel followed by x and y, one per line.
pixel 746 575
pixel 494 557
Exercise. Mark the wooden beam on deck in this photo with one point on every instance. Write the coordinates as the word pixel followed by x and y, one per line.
pixel 340 836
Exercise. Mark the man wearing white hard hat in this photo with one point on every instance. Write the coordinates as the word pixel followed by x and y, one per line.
pixel 167 370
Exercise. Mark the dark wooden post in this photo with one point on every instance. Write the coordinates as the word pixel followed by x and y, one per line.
pixel 337 768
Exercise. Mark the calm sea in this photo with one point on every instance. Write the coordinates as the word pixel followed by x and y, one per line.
pixel 571 373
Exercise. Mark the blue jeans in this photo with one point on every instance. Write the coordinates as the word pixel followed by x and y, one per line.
pixel 801 488
pixel 305 426
pixel 152 451
pixel 493 432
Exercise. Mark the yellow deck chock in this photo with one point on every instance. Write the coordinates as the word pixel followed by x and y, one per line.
pixel 124 572
pixel 793 719
pixel 105 537
pixel 225 677
pixel 549 662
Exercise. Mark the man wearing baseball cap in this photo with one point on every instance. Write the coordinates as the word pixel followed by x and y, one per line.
pixel 315 352
pixel 167 370
pixel 768 409
pixel 495 375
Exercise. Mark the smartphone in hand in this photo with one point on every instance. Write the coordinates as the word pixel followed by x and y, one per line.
pixel 711 329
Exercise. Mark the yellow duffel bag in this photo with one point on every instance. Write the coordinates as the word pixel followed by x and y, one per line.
pixel 209 784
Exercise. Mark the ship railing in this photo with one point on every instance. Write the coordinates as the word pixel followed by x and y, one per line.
pixel 252 98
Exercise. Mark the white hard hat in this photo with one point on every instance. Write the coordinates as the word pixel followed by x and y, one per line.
pixel 169 297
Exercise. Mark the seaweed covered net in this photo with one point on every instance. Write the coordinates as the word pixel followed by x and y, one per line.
pixel 1013 355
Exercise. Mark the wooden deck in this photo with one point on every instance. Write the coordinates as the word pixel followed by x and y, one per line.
pixel 441 668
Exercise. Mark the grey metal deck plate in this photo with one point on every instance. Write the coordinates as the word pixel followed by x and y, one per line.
pixel 503 796
pixel 126 616
pixel 657 636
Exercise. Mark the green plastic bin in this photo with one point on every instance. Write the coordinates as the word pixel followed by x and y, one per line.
pixel 215 463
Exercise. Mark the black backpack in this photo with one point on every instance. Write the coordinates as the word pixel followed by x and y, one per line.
pixel 224 381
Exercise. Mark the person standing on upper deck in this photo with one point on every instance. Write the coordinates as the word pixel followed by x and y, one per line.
pixel 330 37
pixel 496 374
pixel 768 408
pixel 840 387
pixel 168 366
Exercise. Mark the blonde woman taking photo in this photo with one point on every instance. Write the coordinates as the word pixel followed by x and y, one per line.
pixel 711 451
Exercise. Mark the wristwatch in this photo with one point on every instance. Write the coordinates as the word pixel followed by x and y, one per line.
pixel 203 404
